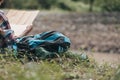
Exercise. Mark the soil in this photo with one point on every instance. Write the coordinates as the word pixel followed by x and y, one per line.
pixel 101 58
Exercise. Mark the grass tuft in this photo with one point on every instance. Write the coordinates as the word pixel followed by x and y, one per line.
pixel 67 66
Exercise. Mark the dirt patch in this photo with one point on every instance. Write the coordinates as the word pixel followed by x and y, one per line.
pixel 91 32
pixel 105 57
pixel 102 58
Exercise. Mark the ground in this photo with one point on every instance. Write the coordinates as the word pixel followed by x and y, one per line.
pixel 95 33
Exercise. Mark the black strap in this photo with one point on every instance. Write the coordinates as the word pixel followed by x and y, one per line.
pixel 48 34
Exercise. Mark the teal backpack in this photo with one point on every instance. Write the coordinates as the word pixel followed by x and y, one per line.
pixel 51 41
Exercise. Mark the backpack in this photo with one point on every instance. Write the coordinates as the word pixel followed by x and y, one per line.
pixel 51 41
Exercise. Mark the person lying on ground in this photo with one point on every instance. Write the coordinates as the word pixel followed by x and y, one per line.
pixel 5 29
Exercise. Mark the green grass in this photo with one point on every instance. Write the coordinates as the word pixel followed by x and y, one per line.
pixel 68 66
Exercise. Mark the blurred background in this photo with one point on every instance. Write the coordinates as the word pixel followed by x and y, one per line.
pixel 65 5
pixel 92 25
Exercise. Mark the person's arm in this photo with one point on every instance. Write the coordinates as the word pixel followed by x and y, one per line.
pixel 6 23
pixel 2 32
